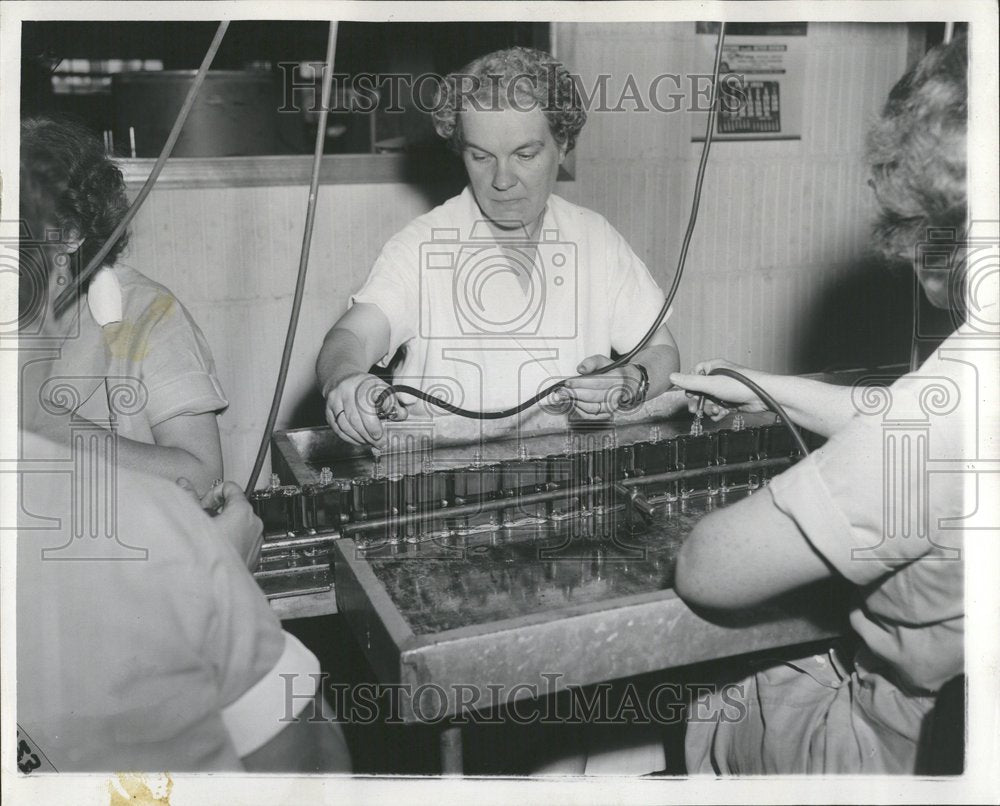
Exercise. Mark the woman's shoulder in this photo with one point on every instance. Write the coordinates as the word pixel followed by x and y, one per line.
pixel 567 213
pixel 142 294
pixel 133 281
pixel 457 214
pixel 454 213
pixel 152 303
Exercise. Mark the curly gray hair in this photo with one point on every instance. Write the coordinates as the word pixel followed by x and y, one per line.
pixel 524 77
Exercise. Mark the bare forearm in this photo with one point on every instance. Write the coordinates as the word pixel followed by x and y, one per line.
pixel 818 407
pixel 358 339
pixel 342 354
pixel 167 462
pixel 170 463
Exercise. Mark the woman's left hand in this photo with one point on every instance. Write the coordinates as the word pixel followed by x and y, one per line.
pixel 234 516
pixel 600 396
pixel 210 501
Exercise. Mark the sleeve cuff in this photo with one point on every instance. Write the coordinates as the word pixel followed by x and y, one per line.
pixel 801 493
pixel 265 709
pixel 191 393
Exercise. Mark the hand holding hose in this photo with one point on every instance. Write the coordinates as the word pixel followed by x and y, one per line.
pixel 599 396
pixel 722 393
pixel 723 381
pixel 357 405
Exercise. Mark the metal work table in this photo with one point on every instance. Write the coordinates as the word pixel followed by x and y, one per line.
pixel 505 612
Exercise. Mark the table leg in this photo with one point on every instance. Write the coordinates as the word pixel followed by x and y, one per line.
pixel 451 750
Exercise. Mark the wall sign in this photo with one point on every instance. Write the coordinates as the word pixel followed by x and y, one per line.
pixel 761 80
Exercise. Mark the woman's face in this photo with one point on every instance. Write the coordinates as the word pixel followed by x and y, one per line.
pixel 512 161
pixel 940 285
pixel 937 280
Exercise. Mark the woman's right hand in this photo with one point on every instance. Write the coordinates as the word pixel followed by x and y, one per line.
pixel 721 393
pixel 351 408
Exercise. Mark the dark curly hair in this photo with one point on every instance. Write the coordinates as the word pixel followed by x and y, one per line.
pixel 917 152
pixel 67 181
pixel 520 74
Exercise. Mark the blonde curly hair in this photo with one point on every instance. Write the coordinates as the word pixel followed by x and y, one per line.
pixel 917 153
pixel 506 77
